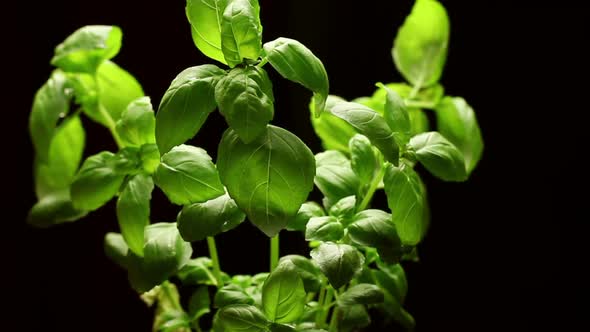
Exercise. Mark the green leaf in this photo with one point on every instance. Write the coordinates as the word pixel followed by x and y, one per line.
pixel 231 294
pixel 344 210
pixel 297 63
pixel 439 156
pixel 197 272
pixel 86 48
pixel 374 228
pixel 364 161
pixel 361 294
pixel 352 318
pixel 137 124
pixel 97 182
pixel 243 318
pixel 406 198
pixel 205 19
pixel 186 104
pixel 116 249
pixel 339 262
pixel 283 294
pixel 51 103
pixel 241 31
pixel 334 176
pixel 324 229
pixel 63 159
pixel 395 282
pixel 269 178
pixel 133 211
pixel 395 286
pixel 164 252
pixel 199 220
pixel 116 89
pixel 456 120
pixel 307 270
pixel 307 211
pixel 245 99
pixel 198 304
pixel 54 208
pixel 420 47
pixel 281 328
pixel 149 157
pixel 397 116
pixel 187 175
pixel 419 121
pixel 370 124
pixel 334 132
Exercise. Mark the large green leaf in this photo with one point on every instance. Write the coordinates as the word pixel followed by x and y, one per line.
pixel 439 156
pixel 116 89
pixel 406 198
pixel 375 228
pixel 269 178
pixel 297 63
pixel 186 105
pixel 51 103
pixel 187 175
pixel 243 318
pixel 361 294
pixel 334 176
pixel 334 132
pixel 200 220
pixel 456 120
pixel 246 101
pixel 133 210
pixel 283 294
pixel 339 262
pixel 371 124
pixel 420 47
pixel 324 229
pixel 136 126
pixel 97 182
pixel 86 48
pixel 307 270
pixel 205 19
pixel 241 31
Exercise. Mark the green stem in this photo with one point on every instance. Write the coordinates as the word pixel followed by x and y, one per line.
pixel 215 260
pixel 318 317
pixel 274 252
pixel 333 321
pixel 372 188
pixel 111 125
pixel 326 311
pixel 165 287
pixel 262 63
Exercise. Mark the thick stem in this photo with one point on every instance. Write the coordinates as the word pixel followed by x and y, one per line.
pixel 333 321
pixel 274 252
pixel 372 188
pixel 215 260
pixel 326 311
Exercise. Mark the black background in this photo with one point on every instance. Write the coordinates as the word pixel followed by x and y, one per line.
pixel 504 250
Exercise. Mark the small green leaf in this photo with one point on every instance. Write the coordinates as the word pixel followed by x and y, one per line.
pixel 186 105
pixel 241 31
pixel 339 262
pixel 361 294
pixel 268 178
pixel 420 47
pixel 406 198
pixel 334 176
pixel 457 122
pixel 334 132
pixel 364 161
pixel 371 124
pixel 54 208
pixel 205 19
pixel 307 270
pixel 137 124
pixel 245 99
pixel 439 156
pixel 96 182
pixel 149 157
pixel 200 220
pixel 397 116
pixel 243 318
pixel 197 272
pixel 116 249
pixel 344 210
pixel 187 175
pixel 324 229
pixel 231 294
pixel 375 228
pixel 86 48
pixel 297 63
pixel 133 211
pixel 352 318
pixel 198 304
pixel 307 211
pixel 283 294
pixel 51 103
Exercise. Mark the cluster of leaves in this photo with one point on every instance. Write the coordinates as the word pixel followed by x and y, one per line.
pixel 263 173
